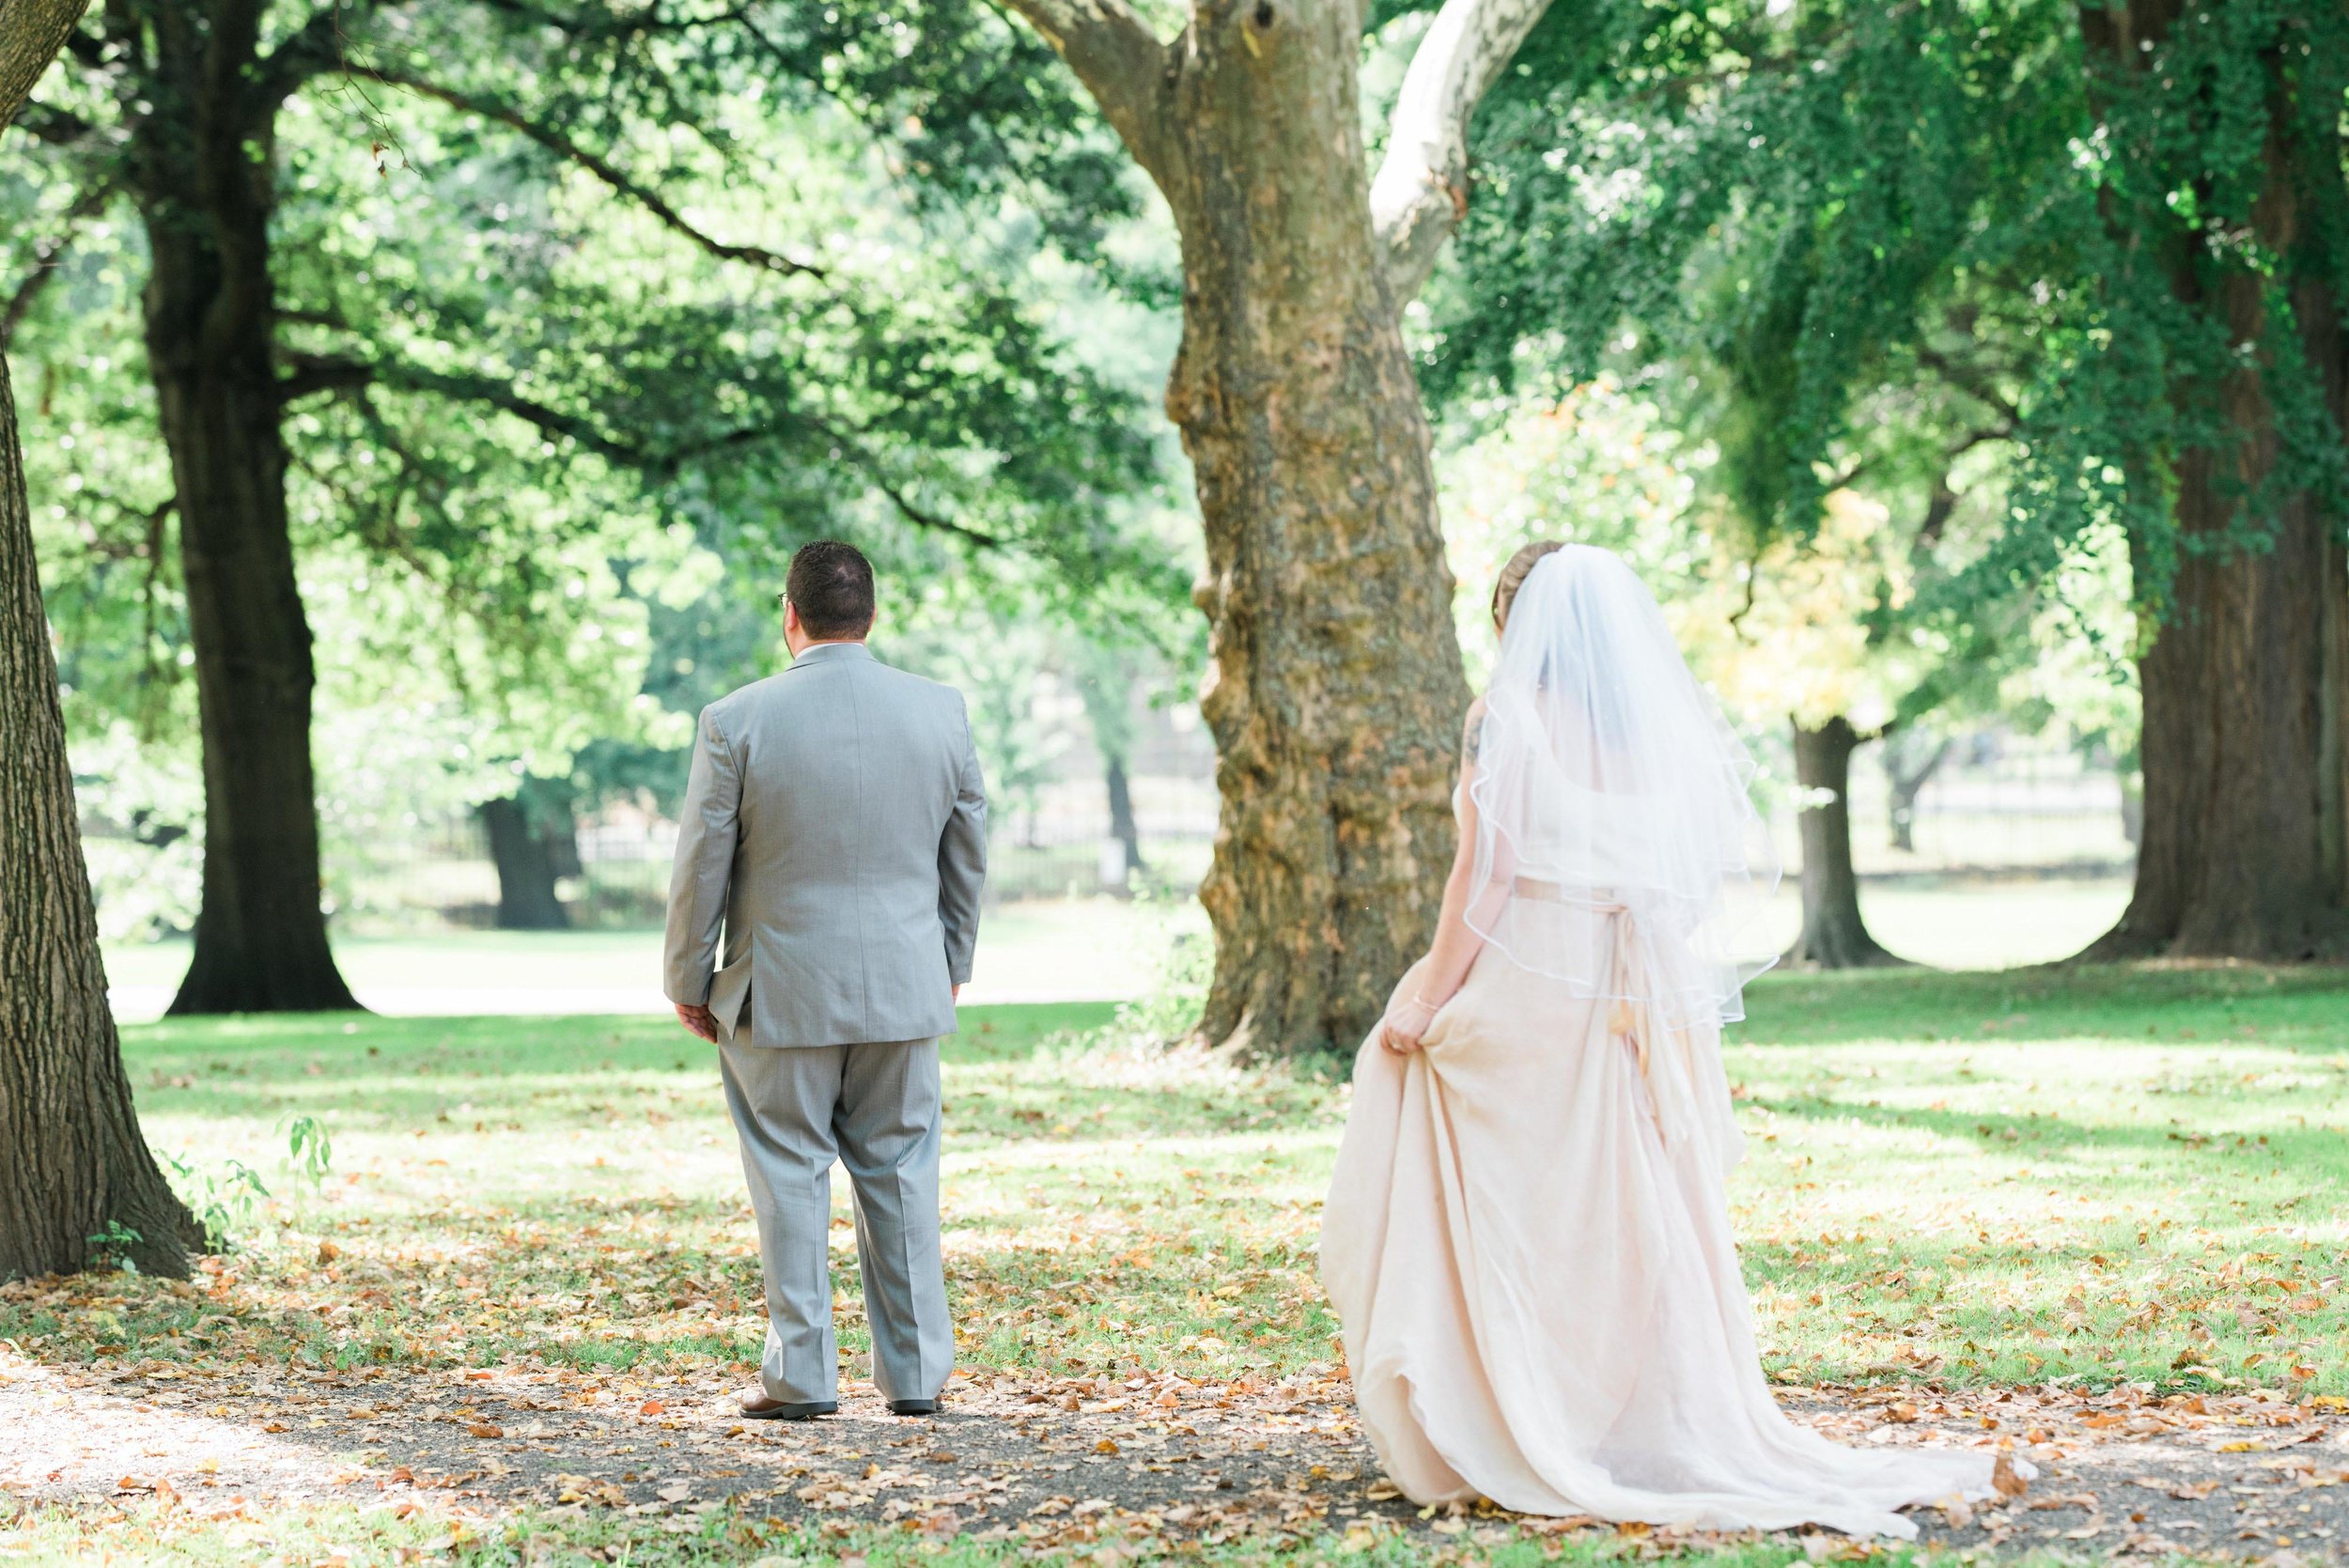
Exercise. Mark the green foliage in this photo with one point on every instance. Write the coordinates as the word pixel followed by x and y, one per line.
pixel 1853 243
pixel 2209 221
pixel 225 1197
pixel 114 1245
pixel 586 318
pixel 1171 1010
pixel 1834 245
pixel 1782 203
pixel 309 1150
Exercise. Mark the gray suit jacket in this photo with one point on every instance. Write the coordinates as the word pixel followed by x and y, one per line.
pixel 836 823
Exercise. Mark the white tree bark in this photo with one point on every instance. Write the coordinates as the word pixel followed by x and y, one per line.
pixel 1421 191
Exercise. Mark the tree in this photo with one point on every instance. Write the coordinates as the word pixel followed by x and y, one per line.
pixel 1802 635
pixel 2211 363
pixel 1791 228
pixel 533 843
pixel 2151 227
pixel 1107 677
pixel 1911 758
pixel 76 1175
pixel 280 335
pixel 1334 689
pixel 1833 934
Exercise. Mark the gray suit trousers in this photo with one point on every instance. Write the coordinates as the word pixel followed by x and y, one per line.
pixel 876 1109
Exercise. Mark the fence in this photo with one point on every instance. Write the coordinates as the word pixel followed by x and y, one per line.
pixel 1997 805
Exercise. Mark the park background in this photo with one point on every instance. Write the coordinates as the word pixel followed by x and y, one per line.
pixel 1965 378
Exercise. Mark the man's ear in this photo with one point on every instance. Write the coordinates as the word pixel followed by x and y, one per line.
pixel 790 617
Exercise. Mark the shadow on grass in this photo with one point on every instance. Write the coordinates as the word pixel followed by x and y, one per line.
pixel 401 1071
pixel 2314 1153
pixel 2301 1009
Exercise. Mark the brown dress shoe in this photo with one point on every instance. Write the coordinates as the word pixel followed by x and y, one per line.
pixel 758 1408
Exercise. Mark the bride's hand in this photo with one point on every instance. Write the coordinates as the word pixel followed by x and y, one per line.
pixel 1405 1027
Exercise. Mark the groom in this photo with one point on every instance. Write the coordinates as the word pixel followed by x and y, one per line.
pixel 836 825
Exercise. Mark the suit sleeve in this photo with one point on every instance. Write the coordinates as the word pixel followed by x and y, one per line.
pixel 704 868
pixel 962 861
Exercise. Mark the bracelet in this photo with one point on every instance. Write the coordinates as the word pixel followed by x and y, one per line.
pixel 1431 1007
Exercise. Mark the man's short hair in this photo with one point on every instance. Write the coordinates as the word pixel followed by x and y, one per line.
pixel 830 585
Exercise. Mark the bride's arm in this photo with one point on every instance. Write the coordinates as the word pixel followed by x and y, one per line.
pixel 1458 942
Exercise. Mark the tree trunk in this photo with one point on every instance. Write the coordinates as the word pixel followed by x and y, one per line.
pixel 1908 783
pixel 31 33
pixel 2244 850
pixel 531 850
pixel 1122 826
pixel 1334 688
pixel 1833 934
pixel 2239 854
pixel 75 1173
pixel 204 174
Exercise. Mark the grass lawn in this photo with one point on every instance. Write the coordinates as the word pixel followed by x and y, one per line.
pixel 1974 1180
pixel 1061 949
pixel 1030 950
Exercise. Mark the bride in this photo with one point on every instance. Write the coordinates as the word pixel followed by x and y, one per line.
pixel 1526 1237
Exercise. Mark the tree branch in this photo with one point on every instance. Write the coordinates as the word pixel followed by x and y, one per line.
pixel 330 320
pixel 1122 64
pixel 313 49
pixel 89 51
pixel 315 373
pixel 870 467
pixel 47 254
pixel 57 127
pixel 602 168
pixel 638 23
pixel 1972 379
pixel 1421 191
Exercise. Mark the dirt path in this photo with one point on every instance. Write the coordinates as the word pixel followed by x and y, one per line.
pixel 1062 1462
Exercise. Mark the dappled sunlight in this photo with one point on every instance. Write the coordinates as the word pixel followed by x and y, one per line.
pixel 571 1192
pixel 543 1231
pixel 2088 1204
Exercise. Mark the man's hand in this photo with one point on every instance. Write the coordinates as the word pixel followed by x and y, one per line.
pixel 700 1021
pixel 958 995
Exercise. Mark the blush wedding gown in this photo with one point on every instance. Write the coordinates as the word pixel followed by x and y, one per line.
pixel 1527 1237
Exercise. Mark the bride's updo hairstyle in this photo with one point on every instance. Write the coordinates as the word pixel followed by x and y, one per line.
pixel 1513 575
